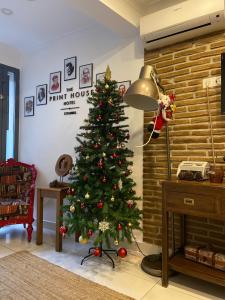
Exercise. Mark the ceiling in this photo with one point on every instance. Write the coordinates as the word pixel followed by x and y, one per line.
pixel 35 23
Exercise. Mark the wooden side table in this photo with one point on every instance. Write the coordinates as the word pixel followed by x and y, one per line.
pixel 59 194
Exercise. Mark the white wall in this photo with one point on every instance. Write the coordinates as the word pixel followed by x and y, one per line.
pixel 10 56
pixel 49 133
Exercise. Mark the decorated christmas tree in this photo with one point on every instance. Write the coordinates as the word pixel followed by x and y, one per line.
pixel 102 200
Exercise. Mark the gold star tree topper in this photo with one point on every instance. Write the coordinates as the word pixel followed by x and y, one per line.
pixel 108 73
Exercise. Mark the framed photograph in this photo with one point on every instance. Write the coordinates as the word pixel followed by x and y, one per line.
pixel 41 94
pixel 123 86
pixel 100 77
pixel 70 68
pixel 29 106
pixel 55 82
pixel 86 76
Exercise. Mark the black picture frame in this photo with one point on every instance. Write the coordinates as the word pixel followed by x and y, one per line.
pixel 29 106
pixel 70 68
pixel 125 84
pixel 55 87
pixel 100 76
pixel 41 94
pixel 87 80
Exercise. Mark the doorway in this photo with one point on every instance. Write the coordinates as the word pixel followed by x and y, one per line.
pixel 9 112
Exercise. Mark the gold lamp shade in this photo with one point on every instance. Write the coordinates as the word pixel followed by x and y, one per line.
pixel 143 93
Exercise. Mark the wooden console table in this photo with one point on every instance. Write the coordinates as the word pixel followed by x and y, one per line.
pixel 59 194
pixel 201 199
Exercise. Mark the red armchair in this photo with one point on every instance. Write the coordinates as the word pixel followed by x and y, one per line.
pixel 17 187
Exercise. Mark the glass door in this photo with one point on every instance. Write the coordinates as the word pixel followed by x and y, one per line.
pixel 9 112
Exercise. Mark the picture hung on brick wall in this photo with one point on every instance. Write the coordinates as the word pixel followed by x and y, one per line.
pixel 55 82
pixel 123 86
pixel 70 68
pixel 41 94
pixel 86 76
pixel 29 106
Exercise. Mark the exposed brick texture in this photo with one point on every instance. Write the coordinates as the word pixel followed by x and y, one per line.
pixel 181 68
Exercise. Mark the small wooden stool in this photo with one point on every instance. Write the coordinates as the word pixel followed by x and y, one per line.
pixel 59 194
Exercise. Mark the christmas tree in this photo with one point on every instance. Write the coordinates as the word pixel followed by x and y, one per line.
pixel 102 201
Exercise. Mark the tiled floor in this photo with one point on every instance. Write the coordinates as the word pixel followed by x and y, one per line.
pixel 127 277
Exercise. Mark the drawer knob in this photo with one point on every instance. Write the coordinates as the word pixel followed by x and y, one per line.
pixel 189 201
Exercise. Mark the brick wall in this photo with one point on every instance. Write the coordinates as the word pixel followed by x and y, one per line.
pixel 181 68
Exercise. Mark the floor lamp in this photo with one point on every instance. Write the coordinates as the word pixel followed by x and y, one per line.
pixel 144 94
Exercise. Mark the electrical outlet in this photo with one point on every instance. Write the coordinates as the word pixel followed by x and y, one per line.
pixel 212 81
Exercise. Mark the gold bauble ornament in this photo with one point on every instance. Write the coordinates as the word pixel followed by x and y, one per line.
pixel 87 157
pixel 72 208
pixel 87 196
pixel 106 86
pixel 103 154
pixel 83 240
pixel 112 199
pixel 108 73
pixel 116 243
pixel 129 224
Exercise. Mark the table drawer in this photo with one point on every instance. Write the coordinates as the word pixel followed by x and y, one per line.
pixel 193 202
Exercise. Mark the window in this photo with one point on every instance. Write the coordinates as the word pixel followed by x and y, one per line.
pixel 9 112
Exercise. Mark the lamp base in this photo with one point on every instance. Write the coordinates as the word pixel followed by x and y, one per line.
pixel 152 264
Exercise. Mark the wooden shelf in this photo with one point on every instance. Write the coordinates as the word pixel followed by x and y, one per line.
pixel 180 264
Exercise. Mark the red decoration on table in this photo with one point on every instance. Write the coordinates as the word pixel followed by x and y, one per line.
pixel 97 252
pixel 122 252
pixel 119 227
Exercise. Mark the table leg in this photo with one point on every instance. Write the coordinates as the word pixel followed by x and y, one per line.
pixel 165 249
pixel 58 238
pixel 39 239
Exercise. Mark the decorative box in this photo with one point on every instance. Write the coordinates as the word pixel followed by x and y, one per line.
pixel 206 257
pixel 191 252
pixel 219 261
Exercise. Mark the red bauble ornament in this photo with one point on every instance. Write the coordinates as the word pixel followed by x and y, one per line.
pixel 71 191
pixel 101 103
pixel 104 179
pixel 119 227
pixel 96 146
pixel 122 252
pixel 99 118
pixel 82 205
pixel 85 178
pixel 90 232
pixel 63 230
pixel 114 155
pixel 115 186
pixel 100 204
pixel 97 252
pixel 130 203
pixel 100 163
